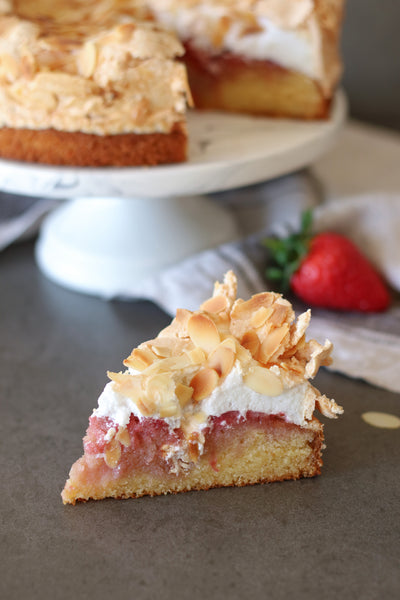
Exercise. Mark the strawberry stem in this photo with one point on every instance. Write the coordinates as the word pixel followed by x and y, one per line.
pixel 288 253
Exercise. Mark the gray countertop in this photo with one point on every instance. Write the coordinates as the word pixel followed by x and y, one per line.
pixel 335 536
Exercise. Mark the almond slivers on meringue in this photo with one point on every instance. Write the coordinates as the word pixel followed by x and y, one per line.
pixel 228 355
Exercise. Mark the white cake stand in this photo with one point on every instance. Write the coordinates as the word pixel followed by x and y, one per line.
pixel 121 225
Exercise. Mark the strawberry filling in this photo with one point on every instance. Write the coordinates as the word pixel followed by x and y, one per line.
pixel 149 438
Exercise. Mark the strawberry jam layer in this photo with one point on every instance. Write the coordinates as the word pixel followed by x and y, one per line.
pixel 225 64
pixel 149 439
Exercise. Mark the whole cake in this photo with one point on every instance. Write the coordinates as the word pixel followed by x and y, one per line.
pixel 221 397
pixel 104 82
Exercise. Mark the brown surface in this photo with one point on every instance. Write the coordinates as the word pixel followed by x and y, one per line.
pixel 54 147
pixel 335 536
pixel 227 82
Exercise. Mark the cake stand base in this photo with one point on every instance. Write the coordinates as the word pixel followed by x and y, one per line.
pixel 101 246
pixel 122 225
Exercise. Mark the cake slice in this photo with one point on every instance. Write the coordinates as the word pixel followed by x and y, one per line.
pixel 268 57
pixel 90 83
pixel 221 397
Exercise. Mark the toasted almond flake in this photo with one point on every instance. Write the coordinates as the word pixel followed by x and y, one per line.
pixel 160 387
pixel 184 394
pixel 112 454
pixel 245 309
pixel 196 356
pixel 87 59
pixel 174 363
pixel 124 31
pixel 228 288
pixel 178 326
pixel 126 384
pixel 381 419
pixel 9 66
pixel 123 437
pixel 140 359
pixel 251 342
pixel 216 304
pixel 230 342
pixel 203 332
pixel 145 406
pixel 203 383
pixel 161 350
pixel 298 329
pixel 282 311
pixel 221 360
pixel 182 318
pixel 272 343
pixel 326 406
pixel 42 100
pixel 168 409
pixel 316 356
pixel 260 316
pixel 195 443
pixel 261 380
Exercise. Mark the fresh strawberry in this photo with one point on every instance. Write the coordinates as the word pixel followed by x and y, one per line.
pixel 327 270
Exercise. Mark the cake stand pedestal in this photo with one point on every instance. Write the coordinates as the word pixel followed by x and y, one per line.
pixel 121 225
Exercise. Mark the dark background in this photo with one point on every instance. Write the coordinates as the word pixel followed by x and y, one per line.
pixel 371 53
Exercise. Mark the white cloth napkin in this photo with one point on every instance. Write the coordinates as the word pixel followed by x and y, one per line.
pixel 345 190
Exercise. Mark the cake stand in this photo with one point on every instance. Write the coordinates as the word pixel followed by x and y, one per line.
pixel 120 225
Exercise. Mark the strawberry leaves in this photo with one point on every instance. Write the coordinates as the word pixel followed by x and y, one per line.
pixel 288 253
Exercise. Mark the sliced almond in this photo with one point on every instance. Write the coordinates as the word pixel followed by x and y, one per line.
pixel 272 343
pixel 169 409
pixel 140 359
pixel 9 67
pixel 216 304
pixel 126 384
pixel 197 356
pixel 195 443
pixel 125 30
pixel 145 406
pixel 184 394
pixel 112 454
pixel 230 342
pixel 87 59
pixel 203 383
pixel 161 351
pixel 261 316
pixel 251 342
pixel 228 288
pixel 42 100
pixel 245 309
pixel 203 332
pixel 160 387
pixel 123 437
pixel 181 320
pixel 261 380
pixel 282 311
pixel 222 360
pixel 174 363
